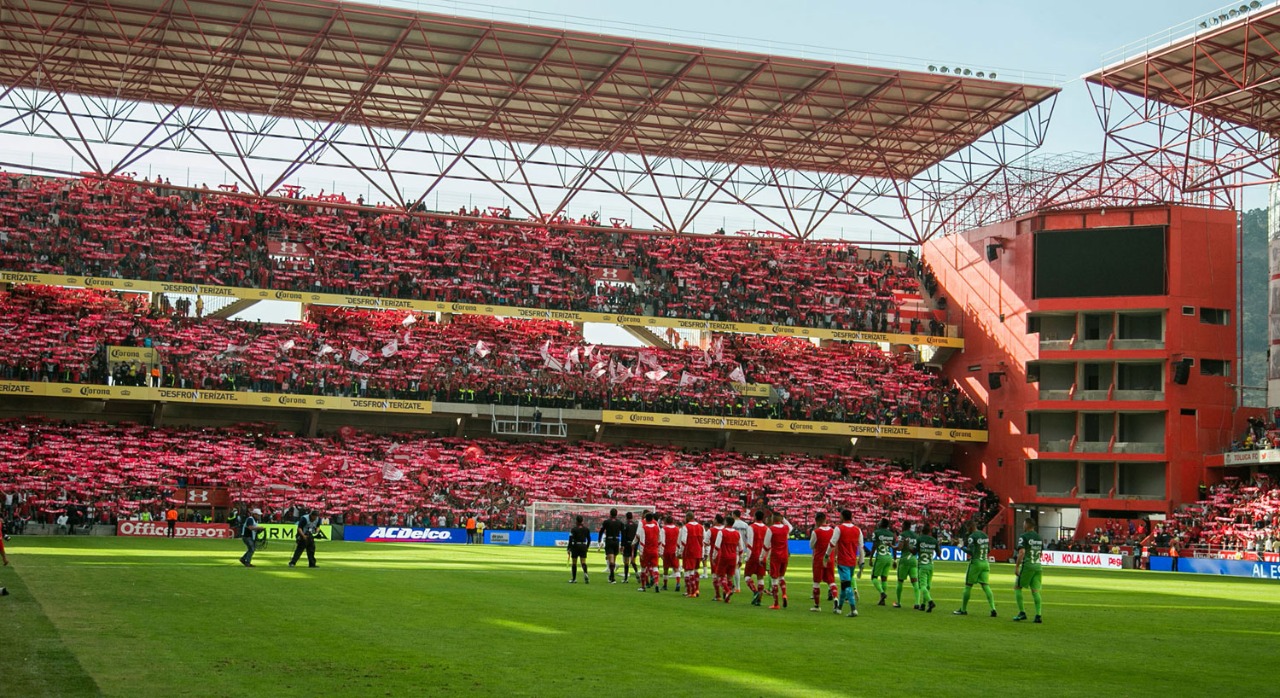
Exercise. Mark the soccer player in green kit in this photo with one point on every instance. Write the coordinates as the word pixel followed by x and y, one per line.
pixel 926 550
pixel 907 564
pixel 1030 545
pixel 978 546
pixel 882 548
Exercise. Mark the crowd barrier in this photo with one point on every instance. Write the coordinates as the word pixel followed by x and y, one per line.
pixel 882 431
pixel 350 301
pixel 1229 568
pixel 289 532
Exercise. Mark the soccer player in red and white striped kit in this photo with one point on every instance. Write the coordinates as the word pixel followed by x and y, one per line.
pixel 649 543
pixel 775 544
pixel 824 566
pixel 689 549
pixel 754 569
pixel 726 551
pixel 670 560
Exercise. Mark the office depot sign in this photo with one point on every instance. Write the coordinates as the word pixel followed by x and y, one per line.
pixel 158 529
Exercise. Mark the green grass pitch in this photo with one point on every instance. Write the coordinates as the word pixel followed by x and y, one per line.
pixel 139 617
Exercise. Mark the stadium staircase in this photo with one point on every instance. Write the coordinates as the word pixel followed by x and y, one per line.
pixel 997 523
pixel 231 309
pixel 647 336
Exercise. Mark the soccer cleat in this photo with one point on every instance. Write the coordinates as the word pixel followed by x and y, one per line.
pixel 816 609
pixel 993 613
pixel 677 586
pixel 586 579
pixel 613 581
pixel 836 610
pixel 641 589
pixel 896 604
pixel 1037 620
pixel 852 614
pixel 1020 616
pixel 883 598
pixel 932 606
pixel 728 596
pixel 573 581
pixel 959 612
pixel 775 607
pixel 4 591
pixel 292 564
pixel 784 600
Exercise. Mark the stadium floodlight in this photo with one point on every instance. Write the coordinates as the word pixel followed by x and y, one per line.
pixel 1255 4
pixel 933 69
pixel 1232 14
pixel 981 74
pixel 967 72
pixel 1204 25
pixel 945 70
pixel 1244 9
pixel 992 76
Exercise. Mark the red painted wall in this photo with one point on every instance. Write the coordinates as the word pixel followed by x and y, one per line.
pixel 992 301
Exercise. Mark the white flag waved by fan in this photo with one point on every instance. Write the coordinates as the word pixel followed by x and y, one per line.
pixel 655 375
pixel 571 358
pixel 358 357
pixel 390 348
pixel 482 350
pixel 391 473
pixel 687 378
pixel 288 345
pixel 325 350
pixel 409 319
pixel 738 376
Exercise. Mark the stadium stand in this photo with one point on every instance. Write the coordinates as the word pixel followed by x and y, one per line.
pixel 60 335
pixel 108 471
pixel 149 231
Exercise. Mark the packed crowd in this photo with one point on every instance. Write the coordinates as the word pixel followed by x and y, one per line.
pixel 106 472
pixel 152 232
pixel 1237 515
pixel 62 335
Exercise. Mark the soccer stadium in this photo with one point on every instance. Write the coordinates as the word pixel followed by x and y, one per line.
pixel 391 348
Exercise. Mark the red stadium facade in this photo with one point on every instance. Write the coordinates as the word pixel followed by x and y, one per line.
pixel 1091 412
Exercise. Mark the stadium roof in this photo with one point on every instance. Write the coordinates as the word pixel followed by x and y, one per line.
pixel 1227 70
pixel 408 70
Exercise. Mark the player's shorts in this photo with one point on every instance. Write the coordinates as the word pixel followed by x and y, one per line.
pixel 1030 577
pixel 907 567
pixel 611 546
pixel 648 559
pixel 778 565
pixel 846 575
pixel 628 549
pixel 670 561
pixel 754 567
pixel 691 562
pixel 725 565
pixel 924 573
pixel 824 573
pixel 578 550
pixel 881 566
pixel 979 572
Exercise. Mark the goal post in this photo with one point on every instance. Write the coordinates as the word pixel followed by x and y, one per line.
pixel 559 517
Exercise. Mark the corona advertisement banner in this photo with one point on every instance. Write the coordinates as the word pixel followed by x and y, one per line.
pixel 881 431
pixel 349 301
pixel 214 397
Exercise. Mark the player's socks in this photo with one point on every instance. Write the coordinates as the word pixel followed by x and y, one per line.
pixel 964 598
pixel 1017 597
pixel 898 602
pixel 878 584
pixel 817 596
pixel 916 587
pixel 991 598
pixel 783 583
pixel 832 592
pixel 1035 599
pixel 751 585
pixel 775 593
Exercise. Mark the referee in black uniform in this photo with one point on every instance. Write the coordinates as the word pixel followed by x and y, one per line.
pixel 306 538
pixel 629 546
pixel 611 536
pixel 579 544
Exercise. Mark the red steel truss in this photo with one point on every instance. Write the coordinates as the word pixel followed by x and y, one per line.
pixel 542 117
pixel 1203 110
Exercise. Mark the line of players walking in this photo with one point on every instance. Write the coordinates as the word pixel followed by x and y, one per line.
pixel 757 553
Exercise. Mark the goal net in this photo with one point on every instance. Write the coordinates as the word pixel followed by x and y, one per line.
pixel 559 517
